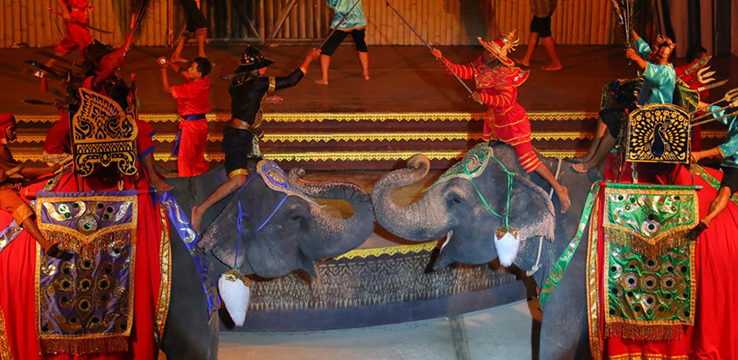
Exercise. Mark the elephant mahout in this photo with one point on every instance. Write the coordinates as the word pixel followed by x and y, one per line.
pixel 280 228
pixel 455 207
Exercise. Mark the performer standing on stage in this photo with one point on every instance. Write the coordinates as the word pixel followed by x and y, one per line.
pixel 13 172
pixel 659 80
pixel 241 135
pixel 197 26
pixel 77 36
pixel 354 24
pixel 193 102
pixel 498 79
pixel 540 27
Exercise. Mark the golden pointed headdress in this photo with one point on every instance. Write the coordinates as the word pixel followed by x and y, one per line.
pixel 501 46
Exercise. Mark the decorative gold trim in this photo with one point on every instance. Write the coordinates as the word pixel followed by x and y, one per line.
pixel 337 156
pixel 642 356
pixel 592 277
pixel 5 353
pixel 165 285
pixel 346 117
pixel 399 136
pixel 389 250
pixel 131 289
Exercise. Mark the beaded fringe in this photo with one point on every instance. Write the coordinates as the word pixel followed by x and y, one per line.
pixel 97 345
pixel 625 238
pixel 644 332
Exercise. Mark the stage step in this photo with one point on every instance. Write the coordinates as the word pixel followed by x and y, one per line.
pixel 357 141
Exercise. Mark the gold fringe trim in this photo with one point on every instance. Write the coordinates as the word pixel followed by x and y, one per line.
pixel 165 285
pixel 5 353
pixel 621 237
pixel 114 343
pixel 389 250
pixel 335 156
pixel 364 137
pixel 644 332
pixel 345 117
pixel 642 356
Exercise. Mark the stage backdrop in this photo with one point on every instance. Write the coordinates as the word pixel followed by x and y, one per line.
pixel 442 22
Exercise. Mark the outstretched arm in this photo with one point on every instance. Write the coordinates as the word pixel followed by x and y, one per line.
pixel 65 10
pixel 462 71
pixel 277 83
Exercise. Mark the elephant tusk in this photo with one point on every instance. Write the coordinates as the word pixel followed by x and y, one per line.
pixel 448 236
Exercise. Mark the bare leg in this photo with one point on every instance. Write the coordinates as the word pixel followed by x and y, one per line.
pixel 176 56
pixel 155 181
pixel 532 43
pixel 200 35
pixel 606 144
pixel 598 135
pixel 325 63
pixel 717 205
pixel 550 46
pixel 561 191
pixel 364 60
pixel 219 194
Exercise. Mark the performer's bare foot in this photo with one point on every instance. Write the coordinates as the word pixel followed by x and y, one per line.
pixel 563 193
pixel 581 159
pixel 196 219
pixel 160 185
pixel 365 76
pixel 552 67
pixel 178 59
pixel 582 168
pixel 322 81
pixel 523 62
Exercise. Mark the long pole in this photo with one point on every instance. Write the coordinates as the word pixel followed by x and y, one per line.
pixel 429 47
pixel 335 28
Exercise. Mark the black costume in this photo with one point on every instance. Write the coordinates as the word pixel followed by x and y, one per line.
pixel 241 136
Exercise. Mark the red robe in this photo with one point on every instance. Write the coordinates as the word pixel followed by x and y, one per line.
pixel 715 331
pixel 18 336
pixel 76 36
pixel 505 120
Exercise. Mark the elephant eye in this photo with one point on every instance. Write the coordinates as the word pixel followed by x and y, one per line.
pixel 296 218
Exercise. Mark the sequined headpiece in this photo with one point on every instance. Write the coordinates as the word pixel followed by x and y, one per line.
pixel 6 121
pixel 501 46
pixel 252 59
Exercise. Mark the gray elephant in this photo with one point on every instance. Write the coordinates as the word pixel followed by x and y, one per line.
pixel 460 206
pixel 281 229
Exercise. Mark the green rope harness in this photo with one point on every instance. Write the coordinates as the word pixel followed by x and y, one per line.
pixel 509 191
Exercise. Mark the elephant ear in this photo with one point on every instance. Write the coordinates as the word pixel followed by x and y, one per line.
pixel 531 210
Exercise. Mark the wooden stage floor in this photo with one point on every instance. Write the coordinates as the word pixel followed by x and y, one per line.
pixel 404 79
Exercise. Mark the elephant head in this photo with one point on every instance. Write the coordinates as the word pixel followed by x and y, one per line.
pixel 272 226
pixel 461 203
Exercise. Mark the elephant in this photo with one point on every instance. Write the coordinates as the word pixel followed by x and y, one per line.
pixel 280 231
pixel 455 208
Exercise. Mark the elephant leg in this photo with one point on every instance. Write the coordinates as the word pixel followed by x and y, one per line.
pixel 188 334
pixel 564 333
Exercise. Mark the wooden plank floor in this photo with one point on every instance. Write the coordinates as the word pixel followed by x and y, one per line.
pixel 404 79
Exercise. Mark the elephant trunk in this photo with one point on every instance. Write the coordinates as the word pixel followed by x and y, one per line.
pixel 337 236
pixel 424 220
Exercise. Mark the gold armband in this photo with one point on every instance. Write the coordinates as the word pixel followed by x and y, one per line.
pixel 304 70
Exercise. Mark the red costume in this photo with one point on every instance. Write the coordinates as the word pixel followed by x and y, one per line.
pixel 505 120
pixel 193 102
pixel 77 36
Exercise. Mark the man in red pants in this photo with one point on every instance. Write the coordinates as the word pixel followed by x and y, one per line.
pixel 193 102
pixel 497 81
pixel 77 35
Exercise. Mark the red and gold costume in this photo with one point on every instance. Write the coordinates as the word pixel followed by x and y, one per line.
pixel 505 120
pixel 193 102
pixel 9 199
pixel 77 36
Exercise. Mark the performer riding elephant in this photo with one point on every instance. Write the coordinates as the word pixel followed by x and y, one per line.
pixel 470 201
